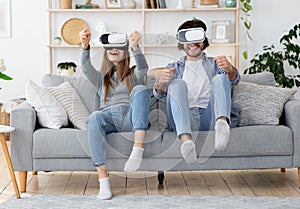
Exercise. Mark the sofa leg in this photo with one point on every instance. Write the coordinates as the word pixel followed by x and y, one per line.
pixel 299 177
pixel 282 170
pixel 23 180
pixel 160 177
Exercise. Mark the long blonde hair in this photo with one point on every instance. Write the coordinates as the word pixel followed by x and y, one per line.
pixel 123 70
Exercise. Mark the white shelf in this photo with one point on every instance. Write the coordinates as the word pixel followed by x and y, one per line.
pixel 147 21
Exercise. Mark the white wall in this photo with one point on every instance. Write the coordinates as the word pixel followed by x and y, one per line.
pixel 26 53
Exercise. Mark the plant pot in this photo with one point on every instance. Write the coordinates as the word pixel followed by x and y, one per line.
pixel 65 4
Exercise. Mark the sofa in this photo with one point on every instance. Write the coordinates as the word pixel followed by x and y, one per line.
pixel 255 146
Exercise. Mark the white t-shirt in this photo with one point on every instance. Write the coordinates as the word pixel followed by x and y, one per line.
pixel 198 84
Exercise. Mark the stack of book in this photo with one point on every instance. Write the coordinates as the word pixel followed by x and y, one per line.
pixel 156 4
pixel 87 6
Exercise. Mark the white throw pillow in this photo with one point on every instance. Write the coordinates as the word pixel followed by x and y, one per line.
pixel 51 114
pixel 260 104
pixel 71 101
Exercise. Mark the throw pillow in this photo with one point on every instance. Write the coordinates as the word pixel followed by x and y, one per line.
pixel 70 100
pixel 51 114
pixel 260 104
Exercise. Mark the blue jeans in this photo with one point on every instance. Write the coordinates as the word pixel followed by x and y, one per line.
pixel 117 119
pixel 184 120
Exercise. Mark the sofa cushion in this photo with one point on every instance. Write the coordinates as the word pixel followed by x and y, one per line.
pixel 70 100
pixel 73 143
pixel 260 104
pixel 85 90
pixel 247 141
pixel 263 78
pixel 51 114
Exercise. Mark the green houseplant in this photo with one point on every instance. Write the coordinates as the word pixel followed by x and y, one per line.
pixel 273 60
pixel 66 68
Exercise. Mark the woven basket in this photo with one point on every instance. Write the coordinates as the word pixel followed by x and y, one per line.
pixel 209 2
pixel 65 4
pixel 70 30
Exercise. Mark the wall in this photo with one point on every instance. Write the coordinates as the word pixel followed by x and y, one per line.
pixel 26 53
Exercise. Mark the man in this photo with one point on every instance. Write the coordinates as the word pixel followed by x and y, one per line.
pixel 198 90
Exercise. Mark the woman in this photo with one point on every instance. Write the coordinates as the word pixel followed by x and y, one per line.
pixel 125 103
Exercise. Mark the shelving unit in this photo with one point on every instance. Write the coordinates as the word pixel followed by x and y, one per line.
pixel 152 23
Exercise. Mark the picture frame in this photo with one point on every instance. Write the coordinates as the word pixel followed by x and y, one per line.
pixel 221 31
pixel 113 4
pixel 5 18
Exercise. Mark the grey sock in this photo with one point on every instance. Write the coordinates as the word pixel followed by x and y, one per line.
pixel 104 190
pixel 188 151
pixel 222 134
pixel 135 159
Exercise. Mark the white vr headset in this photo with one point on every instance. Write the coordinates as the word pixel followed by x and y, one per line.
pixel 190 35
pixel 114 40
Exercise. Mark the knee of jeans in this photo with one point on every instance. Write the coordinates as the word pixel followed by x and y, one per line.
pixel 139 89
pixel 219 80
pixel 95 118
pixel 177 84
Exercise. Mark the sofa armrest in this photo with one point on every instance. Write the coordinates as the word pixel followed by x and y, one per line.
pixel 23 118
pixel 292 119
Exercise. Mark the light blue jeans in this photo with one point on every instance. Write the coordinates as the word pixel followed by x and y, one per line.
pixel 184 120
pixel 117 119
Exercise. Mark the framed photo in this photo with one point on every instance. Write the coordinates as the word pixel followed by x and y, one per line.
pixel 5 18
pixel 221 31
pixel 113 4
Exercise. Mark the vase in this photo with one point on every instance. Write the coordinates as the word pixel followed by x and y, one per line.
pixel 179 5
pixel 230 3
pixel 130 4
pixel 65 4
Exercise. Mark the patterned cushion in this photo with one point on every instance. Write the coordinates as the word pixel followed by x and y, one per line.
pixel 260 104
pixel 70 100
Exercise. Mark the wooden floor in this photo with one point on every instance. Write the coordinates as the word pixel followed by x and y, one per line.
pixel 269 182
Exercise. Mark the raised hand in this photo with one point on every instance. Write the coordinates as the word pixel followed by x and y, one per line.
pixel 134 39
pixel 85 37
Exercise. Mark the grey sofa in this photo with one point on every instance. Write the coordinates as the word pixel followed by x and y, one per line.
pixel 34 148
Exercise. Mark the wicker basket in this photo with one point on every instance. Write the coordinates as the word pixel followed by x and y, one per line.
pixel 209 2
pixel 65 4
pixel 71 29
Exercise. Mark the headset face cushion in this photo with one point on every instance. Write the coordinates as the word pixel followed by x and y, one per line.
pixel 114 40
pixel 190 35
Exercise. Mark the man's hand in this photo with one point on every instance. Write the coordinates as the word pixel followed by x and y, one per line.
pixel 165 76
pixel 85 37
pixel 227 66
pixel 134 40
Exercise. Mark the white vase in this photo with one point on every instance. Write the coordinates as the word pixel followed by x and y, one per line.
pixel 179 5
pixel 130 4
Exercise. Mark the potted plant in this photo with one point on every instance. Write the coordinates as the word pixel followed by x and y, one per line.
pixel 274 61
pixel 66 68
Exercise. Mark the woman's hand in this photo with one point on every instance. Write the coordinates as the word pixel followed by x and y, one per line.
pixel 85 37
pixel 134 40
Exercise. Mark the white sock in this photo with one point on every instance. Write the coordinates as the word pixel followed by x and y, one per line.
pixel 188 151
pixel 222 134
pixel 104 191
pixel 135 159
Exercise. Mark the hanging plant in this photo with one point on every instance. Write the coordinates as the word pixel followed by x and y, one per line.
pixel 247 24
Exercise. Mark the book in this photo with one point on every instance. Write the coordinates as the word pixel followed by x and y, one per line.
pixel 153 4
pixel 87 6
pixel 162 4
